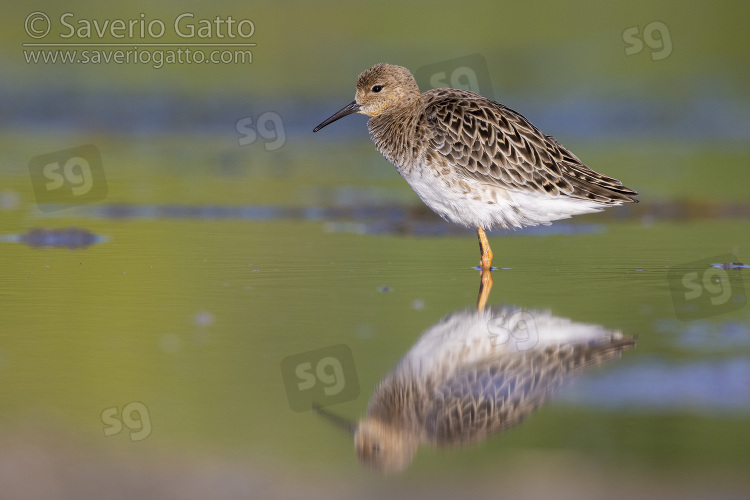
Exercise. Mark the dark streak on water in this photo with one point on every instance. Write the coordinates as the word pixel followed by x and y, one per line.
pixel 360 220
pixel 374 218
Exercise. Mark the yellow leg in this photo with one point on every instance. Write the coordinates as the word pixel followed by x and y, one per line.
pixel 485 287
pixel 485 261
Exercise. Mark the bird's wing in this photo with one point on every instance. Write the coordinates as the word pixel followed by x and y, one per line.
pixel 487 398
pixel 495 145
pixel 491 396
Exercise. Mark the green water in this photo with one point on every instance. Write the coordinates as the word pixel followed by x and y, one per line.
pixel 151 364
pixel 192 318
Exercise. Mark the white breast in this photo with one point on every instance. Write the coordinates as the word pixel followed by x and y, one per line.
pixel 470 203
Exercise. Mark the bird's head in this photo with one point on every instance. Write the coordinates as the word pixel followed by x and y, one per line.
pixel 381 447
pixel 382 87
pixel 384 448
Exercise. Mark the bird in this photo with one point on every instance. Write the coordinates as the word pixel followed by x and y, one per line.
pixel 473 375
pixel 474 161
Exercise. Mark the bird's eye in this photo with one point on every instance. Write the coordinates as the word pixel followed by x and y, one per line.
pixel 377 88
pixel 375 449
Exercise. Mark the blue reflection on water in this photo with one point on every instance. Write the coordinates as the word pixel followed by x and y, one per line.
pixel 706 335
pixel 69 237
pixel 583 113
pixel 655 385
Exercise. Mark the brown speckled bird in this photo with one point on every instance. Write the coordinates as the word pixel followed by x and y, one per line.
pixel 474 161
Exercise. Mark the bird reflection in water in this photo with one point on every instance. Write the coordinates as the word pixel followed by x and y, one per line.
pixel 472 375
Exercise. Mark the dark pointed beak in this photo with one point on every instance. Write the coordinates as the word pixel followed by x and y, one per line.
pixel 341 422
pixel 350 108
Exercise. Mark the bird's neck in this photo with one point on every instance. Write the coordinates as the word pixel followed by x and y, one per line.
pixel 391 131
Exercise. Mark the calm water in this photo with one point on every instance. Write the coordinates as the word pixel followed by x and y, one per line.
pixel 162 352
pixel 186 269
